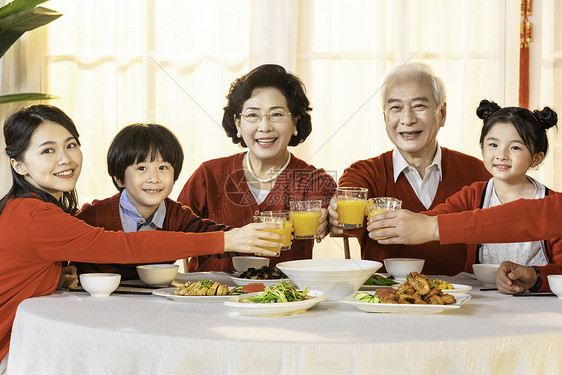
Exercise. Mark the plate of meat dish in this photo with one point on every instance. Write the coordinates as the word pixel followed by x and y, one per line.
pixel 206 291
pixel 416 296
pixel 265 275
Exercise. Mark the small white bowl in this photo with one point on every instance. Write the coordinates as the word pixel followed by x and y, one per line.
pixel 486 273
pixel 241 264
pixel 337 278
pixel 100 284
pixel 400 267
pixel 555 283
pixel 158 275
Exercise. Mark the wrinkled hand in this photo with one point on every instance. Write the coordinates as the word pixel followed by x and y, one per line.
pixel 403 227
pixel 513 278
pixel 333 219
pixel 68 278
pixel 252 238
pixel 323 228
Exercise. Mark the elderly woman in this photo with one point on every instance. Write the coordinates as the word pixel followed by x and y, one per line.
pixel 267 111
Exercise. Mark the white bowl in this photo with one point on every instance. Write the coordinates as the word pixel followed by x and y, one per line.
pixel 100 284
pixel 159 275
pixel 241 264
pixel 486 273
pixel 337 278
pixel 400 267
pixel 555 283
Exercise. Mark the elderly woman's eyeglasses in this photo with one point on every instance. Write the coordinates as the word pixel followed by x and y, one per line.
pixel 277 115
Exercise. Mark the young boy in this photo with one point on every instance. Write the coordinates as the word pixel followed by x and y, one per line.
pixel 144 161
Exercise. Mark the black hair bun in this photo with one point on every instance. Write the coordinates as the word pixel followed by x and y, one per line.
pixel 487 109
pixel 547 118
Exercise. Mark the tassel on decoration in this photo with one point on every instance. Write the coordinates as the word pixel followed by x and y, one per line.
pixel 526 36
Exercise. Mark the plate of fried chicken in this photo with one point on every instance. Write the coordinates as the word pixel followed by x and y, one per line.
pixel 416 295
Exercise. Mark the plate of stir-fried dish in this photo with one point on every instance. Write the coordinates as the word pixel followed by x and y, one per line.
pixel 266 275
pixel 416 295
pixel 205 291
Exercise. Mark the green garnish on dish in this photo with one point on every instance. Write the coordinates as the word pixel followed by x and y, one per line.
pixel 380 280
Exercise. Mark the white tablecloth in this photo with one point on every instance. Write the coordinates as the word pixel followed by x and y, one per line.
pixel 73 333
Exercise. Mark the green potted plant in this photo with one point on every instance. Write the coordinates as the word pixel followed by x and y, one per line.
pixel 16 18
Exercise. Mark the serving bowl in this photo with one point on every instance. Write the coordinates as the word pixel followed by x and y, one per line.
pixel 100 284
pixel 486 273
pixel 400 267
pixel 555 283
pixel 157 275
pixel 337 278
pixel 242 263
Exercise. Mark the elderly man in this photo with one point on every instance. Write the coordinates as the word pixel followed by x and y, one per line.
pixel 418 171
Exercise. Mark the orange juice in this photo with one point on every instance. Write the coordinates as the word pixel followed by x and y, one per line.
pixel 373 212
pixel 351 212
pixel 278 231
pixel 287 233
pixel 306 224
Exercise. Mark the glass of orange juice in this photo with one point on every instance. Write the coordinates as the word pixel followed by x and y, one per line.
pixel 287 229
pixel 381 204
pixel 351 206
pixel 306 218
pixel 280 221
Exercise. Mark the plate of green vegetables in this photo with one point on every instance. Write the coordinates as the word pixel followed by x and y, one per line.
pixel 377 281
pixel 278 299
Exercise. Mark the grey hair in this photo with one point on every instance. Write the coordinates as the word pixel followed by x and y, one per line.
pixel 415 71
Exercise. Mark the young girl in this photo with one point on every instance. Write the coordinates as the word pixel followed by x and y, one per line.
pixel 38 230
pixel 513 140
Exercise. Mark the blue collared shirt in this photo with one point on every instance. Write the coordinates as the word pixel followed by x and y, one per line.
pixel 133 221
pixel 425 188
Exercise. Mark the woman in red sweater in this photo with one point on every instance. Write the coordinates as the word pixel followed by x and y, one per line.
pixel 267 111
pixel 38 230
pixel 513 139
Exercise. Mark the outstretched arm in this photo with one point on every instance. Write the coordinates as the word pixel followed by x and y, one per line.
pixel 403 227
pixel 518 221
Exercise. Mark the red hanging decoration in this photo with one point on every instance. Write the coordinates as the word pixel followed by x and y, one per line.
pixel 526 36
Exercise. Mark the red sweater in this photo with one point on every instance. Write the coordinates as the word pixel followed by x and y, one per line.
pixel 37 236
pixel 105 214
pixel 377 175
pixel 527 220
pixel 468 199
pixel 218 190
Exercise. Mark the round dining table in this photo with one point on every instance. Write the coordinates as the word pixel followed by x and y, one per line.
pixel 73 333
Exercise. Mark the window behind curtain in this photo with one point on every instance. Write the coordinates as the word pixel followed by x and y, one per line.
pixel 172 61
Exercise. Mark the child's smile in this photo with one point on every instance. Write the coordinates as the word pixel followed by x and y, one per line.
pixel 505 155
pixel 148 183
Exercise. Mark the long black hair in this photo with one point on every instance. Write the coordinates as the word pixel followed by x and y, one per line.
pixel 18 130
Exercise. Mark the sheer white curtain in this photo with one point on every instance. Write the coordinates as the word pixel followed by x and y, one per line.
pixel 21 70
pixel 171 62
pixel 546 82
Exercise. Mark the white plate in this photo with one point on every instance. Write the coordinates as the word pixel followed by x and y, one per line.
pixel 458 288
pixel 405 308
pixel 241 281
pixel 167 292
pixel 270 309
pixel 375 287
